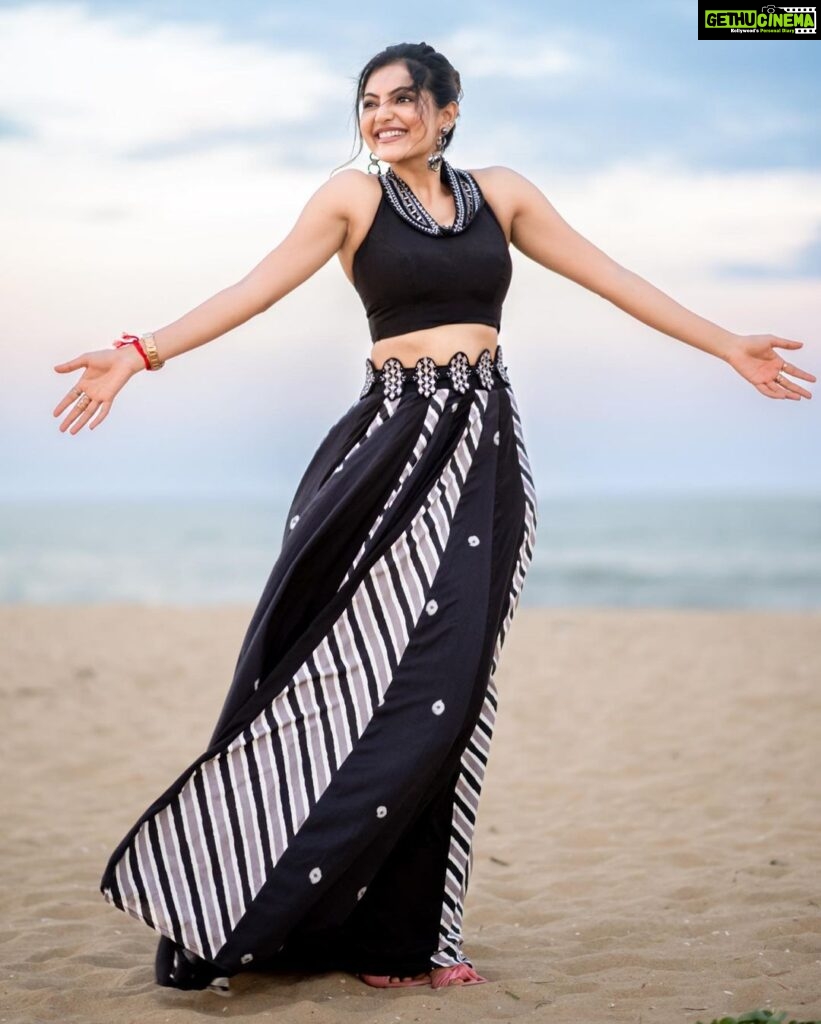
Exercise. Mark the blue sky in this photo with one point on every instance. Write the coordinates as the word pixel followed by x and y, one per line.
pixel 152 153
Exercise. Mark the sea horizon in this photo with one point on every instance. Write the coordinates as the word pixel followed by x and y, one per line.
pixel 641 549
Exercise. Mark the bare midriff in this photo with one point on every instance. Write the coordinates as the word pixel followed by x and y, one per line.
pixel 440 343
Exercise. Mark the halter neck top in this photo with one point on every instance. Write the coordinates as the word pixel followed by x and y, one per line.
pixel 412 273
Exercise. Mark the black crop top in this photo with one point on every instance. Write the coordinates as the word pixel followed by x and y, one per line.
pixel 412 273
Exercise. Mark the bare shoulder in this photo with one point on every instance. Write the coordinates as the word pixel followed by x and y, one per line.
pixel 505 190
pixel 508 186
pixel 350 177
pixel 494 173
pixel 348 188
pixel 355 196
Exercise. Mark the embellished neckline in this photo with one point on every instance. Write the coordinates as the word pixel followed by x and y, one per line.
pixel 466 194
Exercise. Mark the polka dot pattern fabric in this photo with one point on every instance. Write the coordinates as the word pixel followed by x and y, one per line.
pixel 330 821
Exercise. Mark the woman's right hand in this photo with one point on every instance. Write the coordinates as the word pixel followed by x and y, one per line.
pixel 106 371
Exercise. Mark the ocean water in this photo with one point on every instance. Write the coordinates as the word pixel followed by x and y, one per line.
pixel 603 551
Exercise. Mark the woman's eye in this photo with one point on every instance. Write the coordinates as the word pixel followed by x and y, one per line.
pixel 369 103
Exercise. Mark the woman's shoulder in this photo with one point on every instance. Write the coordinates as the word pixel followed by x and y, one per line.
pixel 352 179
pixel 346 193
pixel 497 176
pixel 502 187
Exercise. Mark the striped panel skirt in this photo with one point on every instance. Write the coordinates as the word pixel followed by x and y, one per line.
pixel 329 824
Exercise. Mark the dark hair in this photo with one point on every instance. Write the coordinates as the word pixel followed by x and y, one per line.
pixel 428 69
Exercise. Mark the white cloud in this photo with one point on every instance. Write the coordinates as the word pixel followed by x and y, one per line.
pixel 692 223
pixel 121 82
pixel 97 243
pixel 483 52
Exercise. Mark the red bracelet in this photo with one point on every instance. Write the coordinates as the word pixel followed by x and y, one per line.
pixel 132 339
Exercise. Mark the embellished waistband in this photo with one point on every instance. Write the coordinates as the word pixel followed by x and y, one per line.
pixel 458 374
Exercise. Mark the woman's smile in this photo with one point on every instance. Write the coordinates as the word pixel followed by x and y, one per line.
pixel 391 135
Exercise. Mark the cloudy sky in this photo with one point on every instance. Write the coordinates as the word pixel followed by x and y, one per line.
pixel 152 153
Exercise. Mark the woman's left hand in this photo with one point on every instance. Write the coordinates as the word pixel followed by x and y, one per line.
pixel 755 358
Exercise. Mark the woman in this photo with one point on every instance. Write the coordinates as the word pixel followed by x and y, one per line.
pixel 330 822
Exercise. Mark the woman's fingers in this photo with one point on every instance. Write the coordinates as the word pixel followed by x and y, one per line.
pixel 85 416
pixel 103 412
pixel 785 382
pixel 71 396
pixel 91 397
pixel 784 388
pixel 72 364
pixel 79 416
pixel 795 371
pixel 68 367
pixel 72 416
pixel 792 370
pixel 771 390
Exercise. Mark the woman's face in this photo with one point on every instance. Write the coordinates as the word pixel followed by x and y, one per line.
pixel 388 103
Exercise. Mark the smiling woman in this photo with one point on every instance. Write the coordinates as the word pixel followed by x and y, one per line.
pixel 330 822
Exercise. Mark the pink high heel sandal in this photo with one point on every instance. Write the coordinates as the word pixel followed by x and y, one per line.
pixel 453 975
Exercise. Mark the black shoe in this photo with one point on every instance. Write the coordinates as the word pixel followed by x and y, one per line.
pixel 177 967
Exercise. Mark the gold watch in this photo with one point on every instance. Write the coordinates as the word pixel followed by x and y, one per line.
pixel 151 351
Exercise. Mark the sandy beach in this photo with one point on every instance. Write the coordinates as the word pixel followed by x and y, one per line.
pixel 647 847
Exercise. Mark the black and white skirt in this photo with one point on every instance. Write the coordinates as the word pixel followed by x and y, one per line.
pixel 330 821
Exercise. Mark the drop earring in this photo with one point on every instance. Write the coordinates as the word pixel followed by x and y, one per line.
pixel 435 159
pixel 373 163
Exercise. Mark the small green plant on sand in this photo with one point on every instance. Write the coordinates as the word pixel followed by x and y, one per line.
pixel 760 1017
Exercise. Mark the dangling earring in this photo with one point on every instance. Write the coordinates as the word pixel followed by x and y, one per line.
pixel 374 163
pixel 435 159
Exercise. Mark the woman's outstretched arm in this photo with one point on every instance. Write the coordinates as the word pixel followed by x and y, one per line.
pixel 543 235
pixel 318 233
